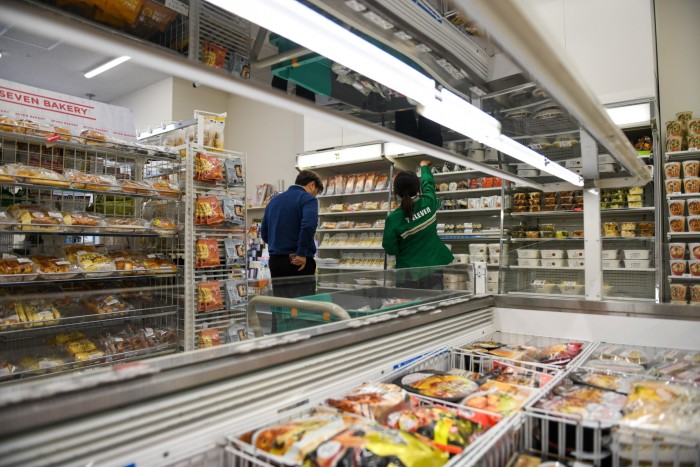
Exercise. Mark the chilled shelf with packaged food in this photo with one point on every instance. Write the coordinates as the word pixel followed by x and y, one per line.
pixel 92 243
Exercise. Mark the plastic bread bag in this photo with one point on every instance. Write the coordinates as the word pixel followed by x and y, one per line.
pixel 208 338
pixel 360 183
pixel 234 172
pixel 373 400
pixel 208 211
pixel 207 253
pixel 163 226
pixel 165 188
pixel 234 211
pixel 208 168
pixel 94 264
pixel 79 221
pixel 54 268
pixel 14 269
pixel 125 225
pixel 237 332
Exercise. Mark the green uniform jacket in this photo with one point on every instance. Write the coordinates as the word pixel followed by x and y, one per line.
pixel 415 241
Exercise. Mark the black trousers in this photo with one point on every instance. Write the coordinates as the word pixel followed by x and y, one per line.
pixel 288 281
pixel 432 281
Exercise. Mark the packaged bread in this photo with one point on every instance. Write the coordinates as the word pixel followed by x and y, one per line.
pixel 156 265
pixel 350 184
pixel 37 175
pixel 339 207
pixel 373 400
pixel 94 264
pixel 9 124
pixel 382 182
pixel 207 253
pixel 40 364
pixel 54 268
pixel 6 176
pixel 354 207
pixel 17 270
pixel 38 128
pixel 140 188
pixel 328 226
pixel 78 221
pixel 329 187
pixel 340 183
pixel 9 318
pixel 127 263
pixel 63 338
pixel 34 217
pixel 369 182
pixel 360 183
pixel 165 188
pixel 370 205
pixel 35 313
pixel 92 137
pixel 162 225
pixel 124 225
pixel 64 134
pixel 92 182
pixel 209 297
pixel 106 305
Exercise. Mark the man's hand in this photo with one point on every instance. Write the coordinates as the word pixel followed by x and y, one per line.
pixel 425 163
pixel 299 261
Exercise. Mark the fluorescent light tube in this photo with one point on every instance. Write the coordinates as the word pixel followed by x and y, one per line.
pixel 309 29
pixel 514 149
pixel 340 156
pixel 107 66
pixel 454 112
pixel 630 114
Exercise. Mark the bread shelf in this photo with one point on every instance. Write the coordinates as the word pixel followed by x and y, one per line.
pixel 362 193
pixel 379 248
pixel 355 213
pixel 6 280
pixel 474 236
pixel 354 229
pixel 349 268
pixel 468 211
pixel 684 278
pixel 470 191
pixel 69 189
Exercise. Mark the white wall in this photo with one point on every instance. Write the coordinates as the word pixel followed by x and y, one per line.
pixel 678 34
pixel 270 137
pixel 187 99
pixel 609 43
pixel 152 105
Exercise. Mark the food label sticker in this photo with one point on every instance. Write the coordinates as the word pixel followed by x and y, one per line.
pixel 44 315
pixel 45 364
pixel 113 301
pixel 565 144
pixel 4 371
pixel 149 332
pixel 569 283
pixel 55 215
pixel 538 282
pixel 151 256
pixel 23 260
pixel 3 215
pixel 535 146
pixel 62 263
pixel 118 339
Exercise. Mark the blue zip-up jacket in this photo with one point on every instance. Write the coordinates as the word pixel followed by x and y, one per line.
pixel 289 223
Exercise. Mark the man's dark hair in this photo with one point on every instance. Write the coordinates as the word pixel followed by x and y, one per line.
pixel 306 176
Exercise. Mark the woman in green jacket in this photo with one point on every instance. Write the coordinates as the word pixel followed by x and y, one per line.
pixel 410 231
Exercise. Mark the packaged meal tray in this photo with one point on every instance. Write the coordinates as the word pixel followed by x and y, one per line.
pixel 14 269
pixel 34 313
pixel 80 221
pixel 609 382
pixel 518 376
pixel 54 268
pixel 125 225
pixel 498 397
pixel 36 218
pixel 106 305
pixel 374 400
pixel 127 263
pixel 437 384
pixel 37 175
pixel 157 265
pixel 621 353
pixel 92 182
pixel 557 354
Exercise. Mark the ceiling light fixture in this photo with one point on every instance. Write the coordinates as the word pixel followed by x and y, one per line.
pixel 107 66
pixel 314 31
pixel 630 115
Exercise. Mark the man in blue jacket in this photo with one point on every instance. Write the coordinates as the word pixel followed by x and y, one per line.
pixel 288 227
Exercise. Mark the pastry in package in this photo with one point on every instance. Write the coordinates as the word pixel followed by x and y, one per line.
pixel 340 183
pixel 207 253
pixel 381 183
pixel 369 182
pixel 209 296
pixel 373 400
pixel 360 183
pixel 350 184
pixel 329 187
pixel 208 211
pixel 234 211
pixel 238 333
pixel 235 251
pixel 213 128
pixel 207 168
pixel 234 171
pixel 236 292
pixel 209 338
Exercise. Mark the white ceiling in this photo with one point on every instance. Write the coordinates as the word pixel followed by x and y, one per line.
pixel 30 59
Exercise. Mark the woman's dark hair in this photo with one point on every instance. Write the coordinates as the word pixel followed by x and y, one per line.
pixel 406 186
pixel 306 176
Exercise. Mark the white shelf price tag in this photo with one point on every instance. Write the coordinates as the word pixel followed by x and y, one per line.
pixel 538 282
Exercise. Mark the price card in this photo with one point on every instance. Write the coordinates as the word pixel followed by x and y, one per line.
pixel 62 263
pixel 569 283
pixel 538 282
pixel 24 260
pixel 565 144
pixel 56 215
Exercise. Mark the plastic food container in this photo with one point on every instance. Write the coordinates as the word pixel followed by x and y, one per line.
pixel 553 263
pixel 694 127
pixel 672 170
pixel 637 263
pixel 674 128
pixel 552 254
pixel 562 234
pixel 684 116
pixel 495 249
pixel 691 168
pixel 478 249
pixel 694 249
pixel 477 258
pixel 529 262
pixel 528 254
pixel 673 186
pixel 694 142
pixel 677 250
pixel 609 254
pixel 544 288
pixel 611 263
pixel 694 223
pixel 674 143
pixel 636 254
pixel 693 207
pixel 576 263
pixel 679 292
pixel 691 185
pixel 571 289
pixel 546 234
pixel 676 207
pixel 574 254
pixel 676 223
pixel 694 267
pixel 678 267
pixel 611 229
